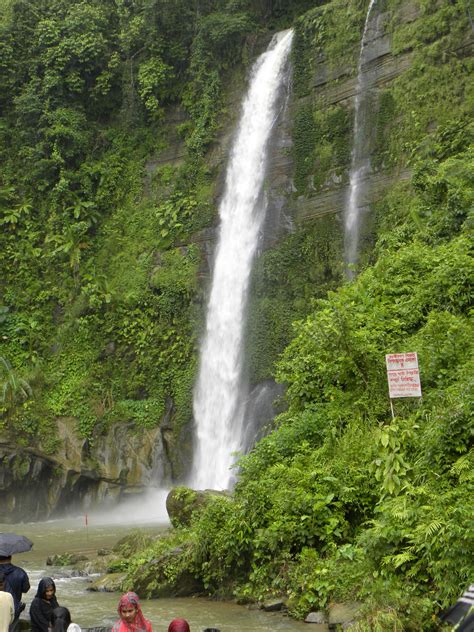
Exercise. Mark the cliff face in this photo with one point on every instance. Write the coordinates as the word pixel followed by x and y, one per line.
pixel 330 87
pixel 301 250
pixel 35 486
pixel 308 177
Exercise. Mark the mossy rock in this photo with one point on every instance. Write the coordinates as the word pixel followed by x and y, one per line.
pixel 167 576
pixel 183 503
pixel 65 559
pixel 112 582
pixel 133 542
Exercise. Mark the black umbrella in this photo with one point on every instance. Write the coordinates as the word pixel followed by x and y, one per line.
pixel 11 543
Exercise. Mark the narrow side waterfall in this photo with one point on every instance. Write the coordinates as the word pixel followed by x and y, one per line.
pixel 360 160
pixel 220 393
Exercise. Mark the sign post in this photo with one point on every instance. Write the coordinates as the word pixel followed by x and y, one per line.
pixel 403 376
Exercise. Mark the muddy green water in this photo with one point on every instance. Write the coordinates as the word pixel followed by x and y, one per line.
pixel 91 609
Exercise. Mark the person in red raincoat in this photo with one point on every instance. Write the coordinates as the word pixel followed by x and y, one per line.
pixel 131 615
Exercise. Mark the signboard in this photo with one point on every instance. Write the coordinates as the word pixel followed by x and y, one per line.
pixel 403 375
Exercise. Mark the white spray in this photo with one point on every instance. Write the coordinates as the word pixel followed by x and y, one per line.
pixel 219 392
pixel 360 161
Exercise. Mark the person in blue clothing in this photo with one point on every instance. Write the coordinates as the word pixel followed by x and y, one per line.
pixel 16 583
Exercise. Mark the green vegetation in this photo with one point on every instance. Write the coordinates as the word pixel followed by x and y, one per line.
pixel 341 501
pixel 99 301
pixel 102 300
pixel 286 280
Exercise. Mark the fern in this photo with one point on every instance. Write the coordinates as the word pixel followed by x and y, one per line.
pixel 433 528
pixel 396 561
pixel 463 468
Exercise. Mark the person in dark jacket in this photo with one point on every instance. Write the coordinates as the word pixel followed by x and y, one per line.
pixel 42 606
pixel 61 621
pixel 16 583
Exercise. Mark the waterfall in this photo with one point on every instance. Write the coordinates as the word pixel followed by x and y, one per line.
pixel 360 160
pixel 220 392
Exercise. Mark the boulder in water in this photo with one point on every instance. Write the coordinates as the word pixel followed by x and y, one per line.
pixel 273 605
pixel 343 613
pixel 182 503
pixel 65 559
pixel 156 580
pixel 316 617
pixel 102 552
pixel 112 582
pixel 69 573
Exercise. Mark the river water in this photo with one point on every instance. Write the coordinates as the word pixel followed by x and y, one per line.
pixel 90 609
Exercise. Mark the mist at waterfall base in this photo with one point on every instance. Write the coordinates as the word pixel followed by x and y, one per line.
pixel 221 391
pixel 360 160
pixel 138 509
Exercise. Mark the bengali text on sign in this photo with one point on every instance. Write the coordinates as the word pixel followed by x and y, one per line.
pixel 403 375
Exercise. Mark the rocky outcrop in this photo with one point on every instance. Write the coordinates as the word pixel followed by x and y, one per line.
pixel 82 474
pixel 340 615
pixel 65 559
pixel 182 503
pixel 344 614
pixel 332 84
pixel 332 200
pixel 110 582
pixel 27 480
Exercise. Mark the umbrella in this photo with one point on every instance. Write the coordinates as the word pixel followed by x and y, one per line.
pixel 11 543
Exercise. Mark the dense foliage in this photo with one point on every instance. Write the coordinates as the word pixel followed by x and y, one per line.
pixel 341 500
pixel 101 304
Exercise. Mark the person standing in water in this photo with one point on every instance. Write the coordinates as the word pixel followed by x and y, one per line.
pixel 16 583
pixel 179 625
pixel 61 621
pixel 7 607
pixel 131 615
pixel 42 606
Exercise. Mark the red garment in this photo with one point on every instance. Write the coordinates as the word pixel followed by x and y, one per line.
pixel 179 625
pixel 139 624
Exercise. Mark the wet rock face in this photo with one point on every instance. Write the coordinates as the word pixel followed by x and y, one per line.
pixel 333 83
pixel 19 498
pixel 36 486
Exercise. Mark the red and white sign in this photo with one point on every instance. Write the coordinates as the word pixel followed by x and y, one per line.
pixel 403 375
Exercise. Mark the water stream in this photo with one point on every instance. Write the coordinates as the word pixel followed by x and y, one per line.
pixel 360 159
pixel 220 389
pixel 91 609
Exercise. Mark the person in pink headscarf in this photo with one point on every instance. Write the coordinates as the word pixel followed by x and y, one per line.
pixel 179 625
pixel 131 615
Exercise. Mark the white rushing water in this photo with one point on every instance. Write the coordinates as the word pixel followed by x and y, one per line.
pixel 360 160
pixel 219 392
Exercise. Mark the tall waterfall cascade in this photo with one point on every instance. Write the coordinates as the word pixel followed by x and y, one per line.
pixel 220 391
pixel 360 159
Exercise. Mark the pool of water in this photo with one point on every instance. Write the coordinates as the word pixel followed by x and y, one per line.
pixel 90 609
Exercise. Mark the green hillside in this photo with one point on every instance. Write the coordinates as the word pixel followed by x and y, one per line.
pixel 113 118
